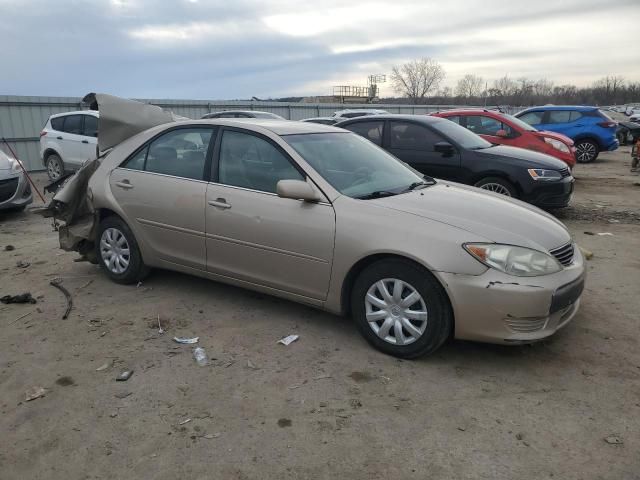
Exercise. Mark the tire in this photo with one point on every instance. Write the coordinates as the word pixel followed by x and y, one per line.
pixel 586 151
pixel 55 167
pixel 436 327
pixel 622 138
pixel 498 185
pixel 114 236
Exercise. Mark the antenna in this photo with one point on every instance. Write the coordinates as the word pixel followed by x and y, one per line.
pixel 357 94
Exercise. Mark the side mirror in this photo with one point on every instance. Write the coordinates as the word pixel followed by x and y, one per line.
pixel 297 190
pixel 445 148
pixel 502 133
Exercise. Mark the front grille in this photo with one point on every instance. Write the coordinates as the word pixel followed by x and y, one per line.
pixel 565 172
pixel 526 325
pixel 8 188
pixel 564 254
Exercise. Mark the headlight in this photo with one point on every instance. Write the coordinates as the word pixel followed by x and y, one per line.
pixel 544 175
pixel 557 144
pixel 15 165
pixel 517 261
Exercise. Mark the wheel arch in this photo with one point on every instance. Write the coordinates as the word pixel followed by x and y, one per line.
pixel 497 174
pixel 588 136
pixel 363 263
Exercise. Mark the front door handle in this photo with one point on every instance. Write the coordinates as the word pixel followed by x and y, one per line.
pixel 219 203
pixel 59 138
pixel 85 141
pixel 124 184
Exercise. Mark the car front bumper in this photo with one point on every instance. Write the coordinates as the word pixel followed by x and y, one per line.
pixel 550 194
pixel 499 308
pixel 15 191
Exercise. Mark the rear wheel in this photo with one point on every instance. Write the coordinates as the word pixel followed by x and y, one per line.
pixel 401 309
pixel 586 151
pixel 498 185
pixel 55 167
pixel 118 252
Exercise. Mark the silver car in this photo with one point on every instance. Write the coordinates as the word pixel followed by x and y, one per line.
pixel 15 191
pixel 321 216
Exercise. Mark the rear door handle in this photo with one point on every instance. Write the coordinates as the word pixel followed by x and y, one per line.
pixel 59 138
pixel 85 141
pixel 219 203
pixel 124 184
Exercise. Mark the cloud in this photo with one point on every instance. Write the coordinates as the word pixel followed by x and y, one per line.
pixel 215 50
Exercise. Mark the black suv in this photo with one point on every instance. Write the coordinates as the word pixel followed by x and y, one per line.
pixel 440 148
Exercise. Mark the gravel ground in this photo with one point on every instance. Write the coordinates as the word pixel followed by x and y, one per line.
pixel 326 406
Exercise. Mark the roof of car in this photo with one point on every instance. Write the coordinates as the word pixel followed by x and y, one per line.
pixel 467 111
pixel 393 116
pixel 578 108
pixel 77 112
pixel 279 127
pixel 317 118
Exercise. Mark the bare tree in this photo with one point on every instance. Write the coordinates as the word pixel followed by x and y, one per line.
pixel 470 86
pixel 416 79
pixel 505 86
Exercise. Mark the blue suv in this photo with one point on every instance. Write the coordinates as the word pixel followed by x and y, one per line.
pixel 591 130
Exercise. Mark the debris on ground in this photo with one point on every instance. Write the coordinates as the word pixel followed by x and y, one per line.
pixel 86 284
pixel 124 376
pixel 200 356
pixel 122 395
pixel 160 329
pixel 22 264
pixel 21 317
pixel 589 233
pixel 9 248
pixel 605 234
pixel 209 436
pixel 185 340
pixel 103 367
pixel 613 440
pixel 184 421
pixel 588 254
pixel 21 298
pixel 34 392
pixel 57 284
pixel 289 339
pixel 251 365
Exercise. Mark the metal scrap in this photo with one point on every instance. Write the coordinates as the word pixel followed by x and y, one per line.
pixel 57 284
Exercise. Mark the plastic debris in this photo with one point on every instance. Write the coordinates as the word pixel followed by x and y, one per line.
pixel 22 264
pixel 200 356
pixel 605 234
pixel 185 421
pixel 251 365
pixel 588 254
pixel 289 339
pixel 185 340
pixel 34 392
pixel 124 376
pixel 160 329
pixel 21 298
pixel 9 248
pixel 613 440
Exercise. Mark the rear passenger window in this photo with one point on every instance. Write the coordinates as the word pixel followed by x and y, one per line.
pixel 251 162
pixel 532 118
pixel 454 119
pixel 369 130
pixel 412 136
pixel 559 116
pixel 180 153
pixel 56 123
pixel 483 125
pixel 72 124
pixel 90 126
pixel 575 116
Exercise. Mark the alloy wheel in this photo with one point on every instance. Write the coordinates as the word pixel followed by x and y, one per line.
pixel 496 188
pixel 54 169
pixel 585 152
pixel 395 311
pixel 114 250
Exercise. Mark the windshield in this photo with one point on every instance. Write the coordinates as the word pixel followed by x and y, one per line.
pixel 519 123
pixel 463 137
pixel 353 165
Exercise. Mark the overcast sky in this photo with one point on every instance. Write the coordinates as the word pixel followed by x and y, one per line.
pixel 201 49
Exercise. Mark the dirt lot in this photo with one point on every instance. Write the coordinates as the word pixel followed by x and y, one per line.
pixel 327 406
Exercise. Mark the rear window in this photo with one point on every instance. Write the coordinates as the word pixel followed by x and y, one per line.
pixel 532 118
pixel 56 123
pixel 90 126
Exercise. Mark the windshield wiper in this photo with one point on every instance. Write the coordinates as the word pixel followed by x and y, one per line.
pixel 428 181
pixel 376 194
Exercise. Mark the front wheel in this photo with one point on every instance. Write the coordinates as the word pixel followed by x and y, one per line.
pixel 498 185
pixel 586 151
pixel 401 309
pixel 118 252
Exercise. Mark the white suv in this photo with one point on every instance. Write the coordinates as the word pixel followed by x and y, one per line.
pixel 67 141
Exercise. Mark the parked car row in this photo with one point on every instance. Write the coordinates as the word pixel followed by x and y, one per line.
pixel 343 224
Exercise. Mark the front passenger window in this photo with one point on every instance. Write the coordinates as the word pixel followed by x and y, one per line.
pixel 251 162
pixel 412 136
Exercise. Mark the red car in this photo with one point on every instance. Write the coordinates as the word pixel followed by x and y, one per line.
pixel 504 129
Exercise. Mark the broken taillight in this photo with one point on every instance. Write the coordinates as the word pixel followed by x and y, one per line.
pixel 607 124
pixel 43 133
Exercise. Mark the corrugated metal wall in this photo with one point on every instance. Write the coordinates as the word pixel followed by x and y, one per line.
pixel 22 118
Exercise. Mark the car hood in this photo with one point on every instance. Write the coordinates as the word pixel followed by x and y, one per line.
pixel 555 136
pixel 494 217
pixel 528 158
